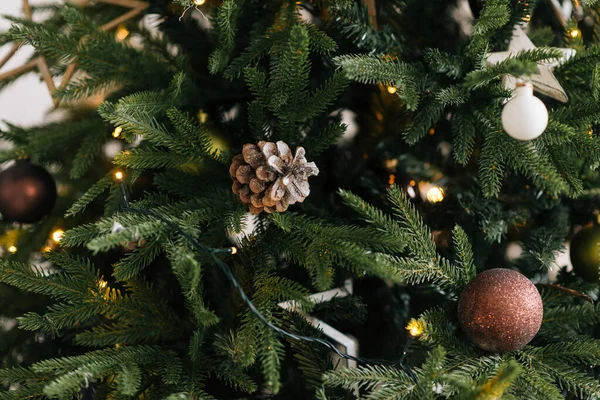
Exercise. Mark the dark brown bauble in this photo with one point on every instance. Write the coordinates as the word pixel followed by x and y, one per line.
pixel 500 310
pixel 585 253
pixel 27 193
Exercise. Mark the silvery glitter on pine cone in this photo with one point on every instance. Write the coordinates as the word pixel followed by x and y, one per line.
pixel 269 178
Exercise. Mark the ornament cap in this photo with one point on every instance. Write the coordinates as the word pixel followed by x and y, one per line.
pixel 523 88
pixel 522 83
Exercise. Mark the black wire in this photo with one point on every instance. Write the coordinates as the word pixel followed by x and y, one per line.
pixel 229 274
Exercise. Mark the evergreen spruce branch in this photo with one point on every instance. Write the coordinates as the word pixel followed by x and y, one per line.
pixel 225 27
pixel 188 272
pixel 498 385
pixel 276 289
pixel 420 241
pixel 439 330
pixel 90 147
pixel 257 81
pixel 542 246
pixel 314 230
pixel 291 69
pixel 492 162
pixel 567 170
pixel 536 384
pixel 192 135
pixel 569 321
pixel 376 217
pixel 312 361
pixel 123 334
pixel 372 69
pixel 354 24
pixel 533 162
pixel 141 317
pixel 573 380
pixel 331 134
pixel 426 116
pixel 511 66
pixel 258 120
pixel 321 99
pixel 463 137
pixel 72 371
pixel 451 96
pixel 585 351
pixel 494 15
pixel 145 103
pixel 78 89
pixel 28 391
pixel 19 375
pixel 134 262
pixel 270 353
pixel 415 271
pixel 320 42
pixel 79 236
pixel 258 47
pixel 431 372
pixel 450 65
pixel 466 368
pixel 143 354
pixel 34 279
pixel 369 377
pixel 59 47
pixel 140 158
pixel 60 316
pixel 131 233
pixel 557 134
pixel 129 379
pixel 464 255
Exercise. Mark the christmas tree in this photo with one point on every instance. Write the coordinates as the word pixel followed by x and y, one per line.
pixel 328 199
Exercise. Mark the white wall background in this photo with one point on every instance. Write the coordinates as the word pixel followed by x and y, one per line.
pixel 26 101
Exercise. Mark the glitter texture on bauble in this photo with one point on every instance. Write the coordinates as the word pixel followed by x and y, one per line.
pixel 500 310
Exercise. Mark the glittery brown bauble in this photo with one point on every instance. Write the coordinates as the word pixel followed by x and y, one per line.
pixel 27 193
pixel 500 310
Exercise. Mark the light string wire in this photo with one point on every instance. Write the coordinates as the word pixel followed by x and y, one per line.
pixel 238 288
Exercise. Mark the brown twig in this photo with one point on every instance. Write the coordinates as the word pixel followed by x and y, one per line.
pixel 569 291
pixel 372 10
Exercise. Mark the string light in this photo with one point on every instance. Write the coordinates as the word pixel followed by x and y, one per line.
pixel 199 2
pixel 234 250
pixel 119 175
pixel 46 249
pixel 202 116
pixel 117 132
pixel 575 33
pixel 12 249
pixel 57 235
pixel 392 89
pixel 392 179
pixel 122 32
pixel 391 163
pixel 412 182
pixel 414 328
pixel 435 194
pixel 431 131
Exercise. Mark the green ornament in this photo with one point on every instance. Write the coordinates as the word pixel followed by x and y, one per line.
pixel 585 253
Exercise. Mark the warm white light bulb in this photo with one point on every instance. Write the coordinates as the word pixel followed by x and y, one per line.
pixel 524 117
pixel 57 235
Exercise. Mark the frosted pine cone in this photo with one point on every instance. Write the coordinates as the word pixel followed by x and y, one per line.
pixel 268 178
